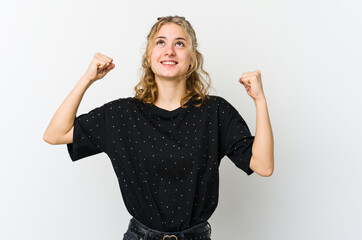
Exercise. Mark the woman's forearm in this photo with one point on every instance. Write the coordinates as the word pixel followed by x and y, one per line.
pixel 263 146
pixel 63 119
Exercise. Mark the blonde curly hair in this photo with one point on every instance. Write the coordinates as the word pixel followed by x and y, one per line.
pixel 146 90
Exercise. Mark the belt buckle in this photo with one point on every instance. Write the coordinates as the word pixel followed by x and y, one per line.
pixel 169 236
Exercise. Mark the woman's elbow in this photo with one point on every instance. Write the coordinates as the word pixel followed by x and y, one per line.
pixel 49 139
pixel 268 172
pixel 265 172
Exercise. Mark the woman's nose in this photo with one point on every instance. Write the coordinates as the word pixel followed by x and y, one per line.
pixel 169 50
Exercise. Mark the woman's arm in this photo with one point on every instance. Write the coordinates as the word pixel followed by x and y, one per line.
pixel 63 119
pixel 262 159
pixel 60 128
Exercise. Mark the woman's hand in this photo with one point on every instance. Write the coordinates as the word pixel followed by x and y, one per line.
pixel 99 67
pixel 252 84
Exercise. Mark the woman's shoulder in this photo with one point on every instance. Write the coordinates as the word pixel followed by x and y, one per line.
pixel 118 102
pixel 215 99
pixel 220 102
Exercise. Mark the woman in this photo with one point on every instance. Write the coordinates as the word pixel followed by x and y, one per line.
pixel 166 142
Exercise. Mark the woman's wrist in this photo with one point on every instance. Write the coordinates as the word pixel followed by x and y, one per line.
pixel 85 81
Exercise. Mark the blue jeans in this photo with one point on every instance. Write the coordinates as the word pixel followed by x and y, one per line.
pixel 138 231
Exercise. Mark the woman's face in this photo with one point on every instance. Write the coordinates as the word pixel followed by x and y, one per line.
pixel 170 58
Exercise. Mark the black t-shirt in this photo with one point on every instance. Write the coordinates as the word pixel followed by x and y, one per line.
pixel 167 162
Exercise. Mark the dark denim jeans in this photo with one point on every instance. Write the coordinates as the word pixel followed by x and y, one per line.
pixel 138 231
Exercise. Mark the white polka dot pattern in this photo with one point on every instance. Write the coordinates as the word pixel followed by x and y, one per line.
pixel 88 134
pixel 166 162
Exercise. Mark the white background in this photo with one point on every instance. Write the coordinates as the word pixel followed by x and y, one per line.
pixel 309 54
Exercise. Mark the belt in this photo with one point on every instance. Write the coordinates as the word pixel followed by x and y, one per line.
pixel 199 231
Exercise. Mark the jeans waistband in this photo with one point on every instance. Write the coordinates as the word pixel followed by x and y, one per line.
pixel 199 231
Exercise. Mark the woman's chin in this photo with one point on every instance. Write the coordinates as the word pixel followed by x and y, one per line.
pixel 169 77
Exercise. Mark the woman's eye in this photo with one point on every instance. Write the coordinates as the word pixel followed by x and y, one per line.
pixel 161 41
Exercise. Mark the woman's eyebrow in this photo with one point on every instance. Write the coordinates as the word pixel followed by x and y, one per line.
pixel 179 38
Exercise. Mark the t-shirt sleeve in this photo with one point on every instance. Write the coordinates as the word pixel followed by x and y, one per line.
pixel 236 139
pixel 89 134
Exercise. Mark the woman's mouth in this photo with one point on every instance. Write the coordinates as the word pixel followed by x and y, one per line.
pixel 169 63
